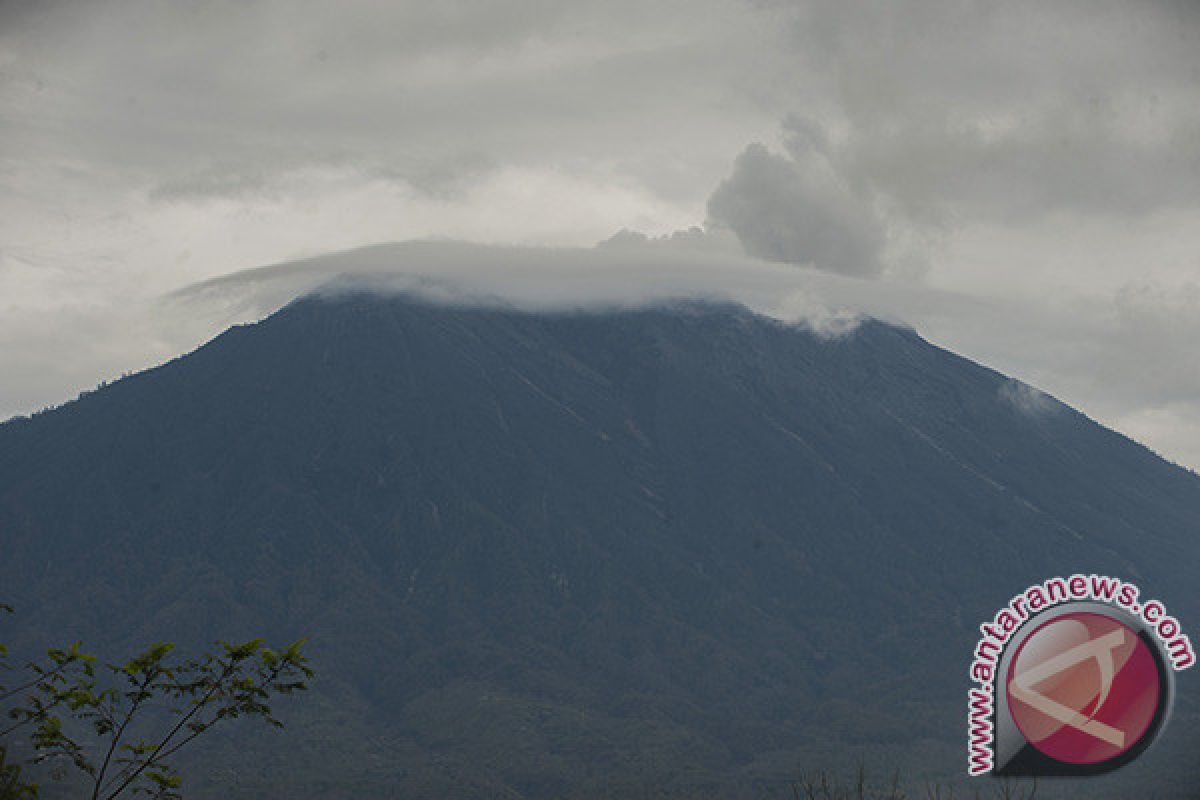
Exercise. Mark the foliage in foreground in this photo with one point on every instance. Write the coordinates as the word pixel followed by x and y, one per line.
pixel 117 726
pixel 823 786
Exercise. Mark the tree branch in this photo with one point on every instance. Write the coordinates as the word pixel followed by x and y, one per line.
pixel 183 720
pixel 120 731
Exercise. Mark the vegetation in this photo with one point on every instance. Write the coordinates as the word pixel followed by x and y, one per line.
pixel 824 786
pixel 115 729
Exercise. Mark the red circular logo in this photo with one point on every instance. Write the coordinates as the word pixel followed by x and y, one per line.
pixel 1083 688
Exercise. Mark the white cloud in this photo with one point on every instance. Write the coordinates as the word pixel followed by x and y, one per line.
pixel 1027 399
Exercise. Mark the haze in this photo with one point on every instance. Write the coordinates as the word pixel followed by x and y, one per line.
pixel 1018 181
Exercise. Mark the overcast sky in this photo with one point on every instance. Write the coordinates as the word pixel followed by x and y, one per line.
pixel 1019 181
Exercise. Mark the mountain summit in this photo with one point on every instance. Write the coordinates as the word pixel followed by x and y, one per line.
pixel 576 554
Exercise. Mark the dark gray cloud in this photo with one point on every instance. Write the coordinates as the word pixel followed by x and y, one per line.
pixel 1002 112
pixel 923 119
pixel 798 210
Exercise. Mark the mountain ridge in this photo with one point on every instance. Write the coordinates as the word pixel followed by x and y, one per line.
pixel 666 542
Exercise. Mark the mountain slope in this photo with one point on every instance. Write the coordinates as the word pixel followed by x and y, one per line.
pixel 684 546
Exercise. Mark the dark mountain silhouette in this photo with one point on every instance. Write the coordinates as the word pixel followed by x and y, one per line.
pixel 557 554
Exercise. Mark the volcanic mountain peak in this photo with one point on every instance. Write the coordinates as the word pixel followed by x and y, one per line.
pixel 681 544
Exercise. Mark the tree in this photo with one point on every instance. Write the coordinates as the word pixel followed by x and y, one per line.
pixel 12 785
pixel 118 726
pixel 823 785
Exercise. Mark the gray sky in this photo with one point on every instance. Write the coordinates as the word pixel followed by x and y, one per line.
pixel 1020 181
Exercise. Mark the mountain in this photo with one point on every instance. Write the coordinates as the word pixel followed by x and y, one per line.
pixel 684 549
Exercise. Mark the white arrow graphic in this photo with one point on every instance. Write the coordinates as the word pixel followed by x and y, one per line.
pixel 1101 649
